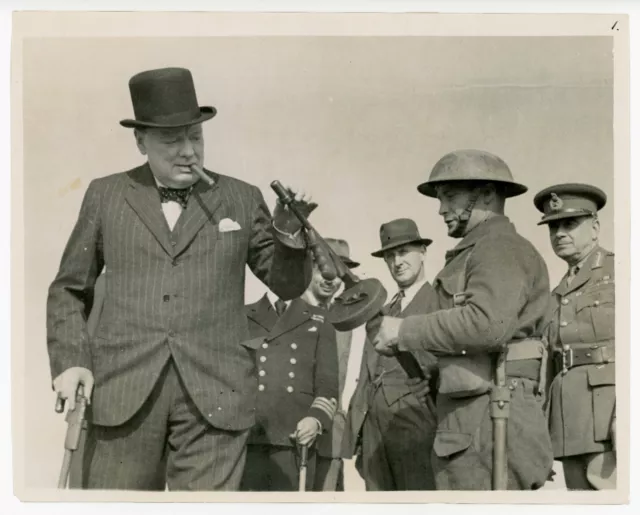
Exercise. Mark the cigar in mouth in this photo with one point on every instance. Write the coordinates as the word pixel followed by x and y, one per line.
pixel 202 175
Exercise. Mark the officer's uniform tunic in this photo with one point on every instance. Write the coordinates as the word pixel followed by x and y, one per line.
pixel 582 396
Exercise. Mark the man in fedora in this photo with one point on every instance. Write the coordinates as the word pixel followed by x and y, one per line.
pixel 172 390
pixel 493 294
pixel 299 385
pixel 581 332
pixel 390 427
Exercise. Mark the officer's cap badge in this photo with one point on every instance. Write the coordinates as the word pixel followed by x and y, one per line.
pixel 555 204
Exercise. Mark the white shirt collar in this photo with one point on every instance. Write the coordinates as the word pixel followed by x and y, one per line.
pixel 273 298
pixel 411 291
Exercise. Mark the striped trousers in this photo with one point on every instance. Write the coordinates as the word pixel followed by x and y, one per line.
pixel 167 444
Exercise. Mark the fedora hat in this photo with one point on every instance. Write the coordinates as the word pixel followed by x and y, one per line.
pixel 341 248
pixel 569 200
pixel 399 232
pixel 165 98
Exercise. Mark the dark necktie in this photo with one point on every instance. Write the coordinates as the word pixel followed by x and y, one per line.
pixel 395 308
pixel 181 196
pixel 573 271
pixel 281 307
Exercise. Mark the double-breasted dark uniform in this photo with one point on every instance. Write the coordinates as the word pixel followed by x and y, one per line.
pixel 296 360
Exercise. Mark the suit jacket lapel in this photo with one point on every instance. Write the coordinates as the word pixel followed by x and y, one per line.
pixel 263 314
pixel 204 202
pixel 144 199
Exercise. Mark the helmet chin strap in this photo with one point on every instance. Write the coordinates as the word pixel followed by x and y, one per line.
pixel 465 216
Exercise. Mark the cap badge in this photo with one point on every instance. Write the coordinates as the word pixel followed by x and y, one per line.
pixel 555 203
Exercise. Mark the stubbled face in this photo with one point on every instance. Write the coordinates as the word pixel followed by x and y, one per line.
pixel 171 152
pixel 454 199
pixel 320 288
pixel 573 238
pixel 406 263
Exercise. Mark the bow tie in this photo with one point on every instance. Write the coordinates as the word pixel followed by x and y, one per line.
pixel 181 196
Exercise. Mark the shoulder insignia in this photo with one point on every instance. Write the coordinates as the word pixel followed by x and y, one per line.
pixel 597 263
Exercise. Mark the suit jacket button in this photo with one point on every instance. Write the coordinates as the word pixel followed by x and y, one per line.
pixel 293 361
pixel 290 389
pixel 294 346
pixel 261 387
pixel 292 375
pixel 565 301
pixel 174 262
pixel 166 298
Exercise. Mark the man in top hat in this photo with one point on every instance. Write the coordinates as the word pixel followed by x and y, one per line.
pixel 581 332
pixel 299 385
pixel 493 296
pixel 172 390
pixel 329 476
pixel 389 427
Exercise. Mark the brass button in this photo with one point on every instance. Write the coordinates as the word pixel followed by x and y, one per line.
pixel 263 359
pixel 563 323
pixel 565 301
pixel 262 373
pixel 463 352
pixel 265 345
pixel 290 389
pixel 596 303
pixel 294 346
pixel 293 361
pixel 292 375
pixel 261 387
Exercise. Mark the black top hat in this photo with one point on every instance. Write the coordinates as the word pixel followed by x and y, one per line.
pixel 569 201
pixel 399 232
pixel 165 98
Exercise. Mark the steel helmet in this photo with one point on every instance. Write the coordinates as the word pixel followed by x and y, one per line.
pixel 472 165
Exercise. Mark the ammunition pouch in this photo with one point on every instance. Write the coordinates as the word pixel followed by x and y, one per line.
pixel 470 376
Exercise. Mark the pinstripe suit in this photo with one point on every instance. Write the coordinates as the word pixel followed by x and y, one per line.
pixel 173 307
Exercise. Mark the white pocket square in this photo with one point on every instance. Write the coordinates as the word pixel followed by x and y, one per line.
pixel 226 225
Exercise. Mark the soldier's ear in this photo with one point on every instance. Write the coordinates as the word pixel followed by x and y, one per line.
pixel 595 228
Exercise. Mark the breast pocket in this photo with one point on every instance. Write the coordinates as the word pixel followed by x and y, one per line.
pixel 595 312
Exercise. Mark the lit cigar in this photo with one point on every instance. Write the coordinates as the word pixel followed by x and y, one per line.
pixel 202 175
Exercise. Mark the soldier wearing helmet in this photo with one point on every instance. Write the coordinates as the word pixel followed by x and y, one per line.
pixel 581 333
pixel 493 296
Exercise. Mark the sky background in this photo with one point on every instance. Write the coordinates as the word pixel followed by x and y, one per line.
pixel 356 122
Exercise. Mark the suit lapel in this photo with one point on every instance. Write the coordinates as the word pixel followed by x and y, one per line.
pixel 204 202
pixel 263 314
pixel 298 313
pixel 144 199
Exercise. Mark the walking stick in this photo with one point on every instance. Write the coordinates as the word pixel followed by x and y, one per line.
pixel 302 477
pixel 76 424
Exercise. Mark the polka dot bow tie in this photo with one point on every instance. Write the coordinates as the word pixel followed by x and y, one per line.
pixel 181 196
